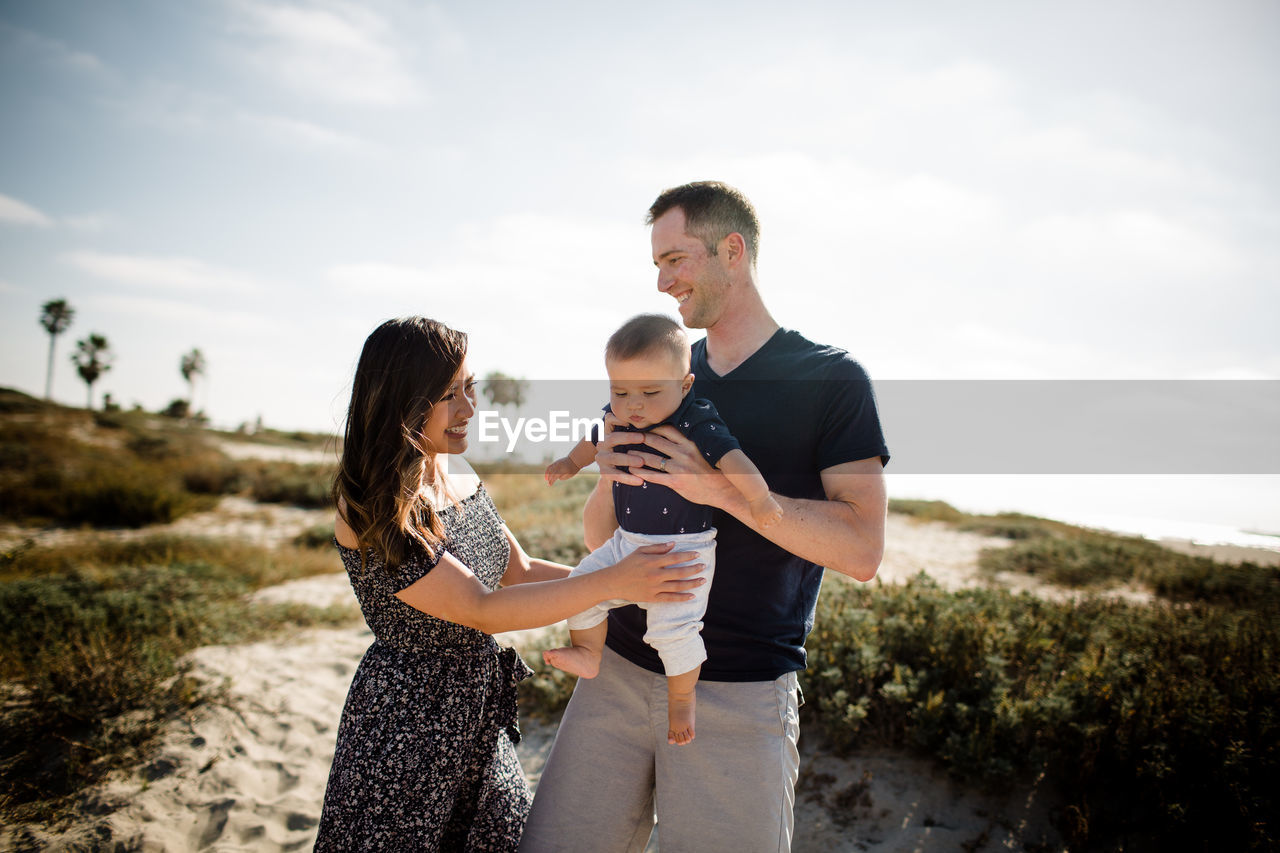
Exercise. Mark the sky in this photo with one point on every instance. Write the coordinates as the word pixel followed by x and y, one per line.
pixel 989 190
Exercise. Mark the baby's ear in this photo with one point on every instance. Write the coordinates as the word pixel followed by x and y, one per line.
pixel 688 383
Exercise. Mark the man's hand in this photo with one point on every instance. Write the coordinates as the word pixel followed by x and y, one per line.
pixel 685 471
pixel 844 532
pixel 612 463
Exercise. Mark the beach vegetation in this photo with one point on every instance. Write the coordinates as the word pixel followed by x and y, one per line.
pixel 71 467
pixel 1154 725
pixel 92 643
pixel 1095 559
pixel 547 520
pixel 297 484
pixel 1084 558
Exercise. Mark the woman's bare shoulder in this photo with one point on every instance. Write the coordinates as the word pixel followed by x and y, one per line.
pixel 341 530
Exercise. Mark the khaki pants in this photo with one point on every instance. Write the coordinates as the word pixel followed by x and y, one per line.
pixel 732 789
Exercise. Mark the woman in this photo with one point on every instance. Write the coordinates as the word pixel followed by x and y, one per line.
pixel 425 757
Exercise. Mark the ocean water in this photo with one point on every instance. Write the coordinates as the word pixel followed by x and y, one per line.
pixel 1209 509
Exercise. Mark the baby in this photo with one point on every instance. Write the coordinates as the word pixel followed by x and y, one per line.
pixel 648 365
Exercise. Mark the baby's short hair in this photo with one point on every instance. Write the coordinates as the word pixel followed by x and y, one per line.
pixel 649 334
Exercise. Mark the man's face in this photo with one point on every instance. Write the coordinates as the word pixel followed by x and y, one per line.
pixel 695 278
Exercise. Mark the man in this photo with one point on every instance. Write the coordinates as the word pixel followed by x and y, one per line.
pixel 805 414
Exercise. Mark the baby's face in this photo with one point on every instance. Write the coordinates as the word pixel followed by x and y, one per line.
pixel 647 389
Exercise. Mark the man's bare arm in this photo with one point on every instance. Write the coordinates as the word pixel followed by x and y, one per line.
pixel 845 532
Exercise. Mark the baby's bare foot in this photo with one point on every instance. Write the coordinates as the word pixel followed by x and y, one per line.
pixel 575 660
pixel 680 715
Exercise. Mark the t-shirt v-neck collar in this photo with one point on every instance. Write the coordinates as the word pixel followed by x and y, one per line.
pixel 703 366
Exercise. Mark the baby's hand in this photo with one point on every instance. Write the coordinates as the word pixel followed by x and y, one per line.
pixel 561 469
pixel 766 511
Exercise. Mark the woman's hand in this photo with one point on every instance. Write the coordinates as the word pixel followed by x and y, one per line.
pixel 655 573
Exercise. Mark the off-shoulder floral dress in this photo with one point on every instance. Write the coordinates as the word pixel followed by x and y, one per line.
pixel 425 758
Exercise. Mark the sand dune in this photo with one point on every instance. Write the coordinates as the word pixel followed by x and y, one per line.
pixel 249 774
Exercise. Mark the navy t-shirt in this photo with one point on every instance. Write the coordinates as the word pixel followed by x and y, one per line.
pixel 651 508
pixel 796 408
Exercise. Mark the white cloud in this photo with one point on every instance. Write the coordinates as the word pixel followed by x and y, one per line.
pixel 188 315
pixel 1238 372
pixel 1077 150
pixel 1137 246
pixel 378 278
pixel 332 51
pixel 52 50
pixel 20 213
pixel 959 85
pixel 91 222
pixel 176 108
pixel 293 132
pixel 16 212
pixel 538 295
pixel 168 273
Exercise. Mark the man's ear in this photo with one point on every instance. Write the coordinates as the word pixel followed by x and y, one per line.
pixel 733 249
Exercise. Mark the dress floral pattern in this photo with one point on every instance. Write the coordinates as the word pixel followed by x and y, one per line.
pixel 425 758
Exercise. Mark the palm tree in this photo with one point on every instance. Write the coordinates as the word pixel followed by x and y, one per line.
pixel 55 316
pixel 192 365
pixel 92 358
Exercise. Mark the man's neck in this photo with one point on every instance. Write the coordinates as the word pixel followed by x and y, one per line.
pixel 736 337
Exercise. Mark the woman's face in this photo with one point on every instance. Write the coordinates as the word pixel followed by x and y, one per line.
pixel 446 427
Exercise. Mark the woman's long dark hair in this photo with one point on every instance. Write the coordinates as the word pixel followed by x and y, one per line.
pixel 405 368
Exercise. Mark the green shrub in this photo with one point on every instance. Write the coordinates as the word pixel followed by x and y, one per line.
pixel 317 536
pixel 212 475
pixel 66 469
pixel 1013 525
pixel 289 483
pixel 15 402
pixel 1158 724
pixel 105 495
pixel 1091 558
pixel 1072 556
pixel 926 510
pixel 547 520
pixel 115 498
pixel 92 640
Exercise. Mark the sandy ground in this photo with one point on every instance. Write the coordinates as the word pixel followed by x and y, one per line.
pixel 299 455
pixel 249 774
pixel 233 517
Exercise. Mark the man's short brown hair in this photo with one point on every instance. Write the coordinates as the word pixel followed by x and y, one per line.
pixel 649 334
pixel 712 211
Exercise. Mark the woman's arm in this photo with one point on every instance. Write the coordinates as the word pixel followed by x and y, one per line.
pixel 452 592
pixel 521 568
